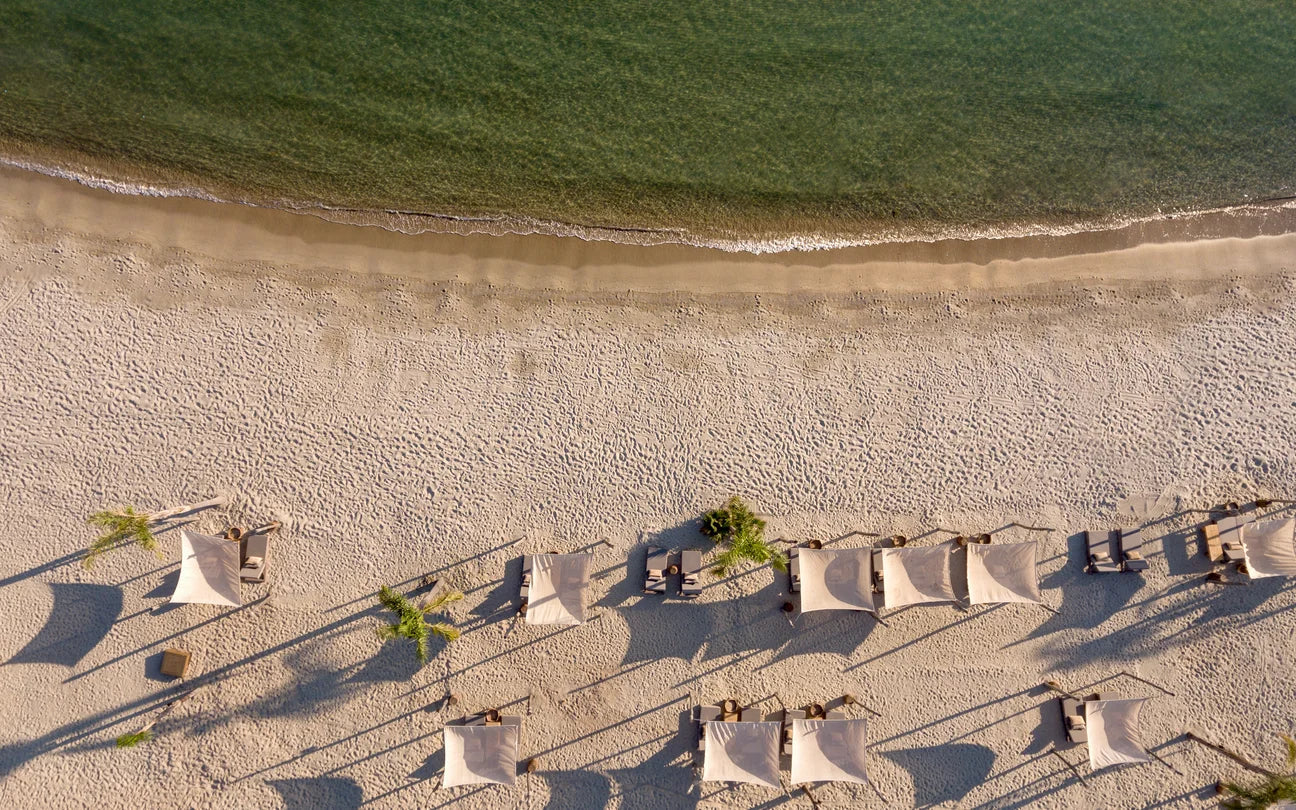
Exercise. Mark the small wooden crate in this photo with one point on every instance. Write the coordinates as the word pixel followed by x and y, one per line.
pixel 175 662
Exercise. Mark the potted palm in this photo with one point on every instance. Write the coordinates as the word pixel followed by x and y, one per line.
pixel 742 535
pixel 130 525
pixel 412 619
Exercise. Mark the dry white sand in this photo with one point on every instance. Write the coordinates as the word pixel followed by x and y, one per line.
pixel 409 405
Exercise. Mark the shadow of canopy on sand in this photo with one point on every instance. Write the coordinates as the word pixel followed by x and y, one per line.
pixel 576 788
pixel 944 773
pixel 80 618
pixel 319 793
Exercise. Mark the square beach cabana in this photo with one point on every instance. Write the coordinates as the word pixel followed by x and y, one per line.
pixel 558 585
pixel 914 576
pixel 483 754
pixel 1270 549
pixel 829 751
pixel 1112 726
pixel 742 752
pixel 209 571
pixel 1003 573
pixel 837 579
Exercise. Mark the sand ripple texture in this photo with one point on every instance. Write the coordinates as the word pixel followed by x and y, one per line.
pixel 399 428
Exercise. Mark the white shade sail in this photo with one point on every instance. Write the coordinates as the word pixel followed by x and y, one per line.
pixel 829 751
pixel 209 570
pixel 836 579
pixel 558 583
pixel 480 754
pixel 1270 549
pixel 1002 573
pixel 1113 732
pixel 742 752
pixel 912 576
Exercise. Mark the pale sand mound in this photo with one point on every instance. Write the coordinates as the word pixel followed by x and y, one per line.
pixel 400 425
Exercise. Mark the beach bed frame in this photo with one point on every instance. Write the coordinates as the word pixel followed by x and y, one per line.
pixel 656 569
pixel 1132 559
pixel 1222 539
pixel 1073 715
pixel 1104 552
pixel 691 573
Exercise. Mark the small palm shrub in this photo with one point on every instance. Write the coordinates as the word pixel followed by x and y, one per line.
pixel 132 740
pixel 412 622
pixel 742 535
pixel 119 526
pixel 1276 788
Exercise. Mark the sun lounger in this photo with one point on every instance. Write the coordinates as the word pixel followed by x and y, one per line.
pixel 691 573
pixel 1230 535
pixel 703 715
pixel 255 557
pixel 794 569
pixel 524 591
pixel 655 569
pixel 877 570
pixel 1103 552
pixel 1073 721
pixel 1131 542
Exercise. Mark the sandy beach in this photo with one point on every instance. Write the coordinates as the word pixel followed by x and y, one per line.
pixel 436 404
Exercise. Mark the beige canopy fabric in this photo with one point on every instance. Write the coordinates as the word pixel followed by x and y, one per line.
pixel 480 754
pixel 209 571
pixel 1270 549
pixel 1113 732
pixel 836 579
pixel 742 752
pixel 829 751
pixel 912 576
pixel 558 583
pixel 1002 573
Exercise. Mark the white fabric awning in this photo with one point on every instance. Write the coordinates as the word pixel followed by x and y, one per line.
pixel 836 579
pixel 558 583
pixel 1002 573
pixel 829 751
pixel 479 754
pixel 209 570
pixel 742 752
pixel 1270 549
pixel 911 576
pixel 1113 732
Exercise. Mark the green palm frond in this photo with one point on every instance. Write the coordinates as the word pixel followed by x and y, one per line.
pixel 120 526
pixel 411 623
pixel 132 740
pixel 1276 788
pixel 446 631
pixel 737 528
pixel 446 598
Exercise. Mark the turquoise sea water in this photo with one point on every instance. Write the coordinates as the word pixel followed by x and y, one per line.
pixel 731 118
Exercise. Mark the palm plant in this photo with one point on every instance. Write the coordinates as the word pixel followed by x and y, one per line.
pixel 412 622
pixel 132 740
pixel 128 524
pixel 1277 787
pixel 742 534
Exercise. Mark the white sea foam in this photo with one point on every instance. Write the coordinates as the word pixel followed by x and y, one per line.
pixel 415 222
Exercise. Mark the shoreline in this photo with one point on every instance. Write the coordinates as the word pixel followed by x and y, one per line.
pixel 1271 216
pixel 1218 245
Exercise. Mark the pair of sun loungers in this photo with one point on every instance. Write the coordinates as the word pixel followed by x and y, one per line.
pixel 659 566
pixel 482 749
pixel 1108 725
pixel 1116 551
